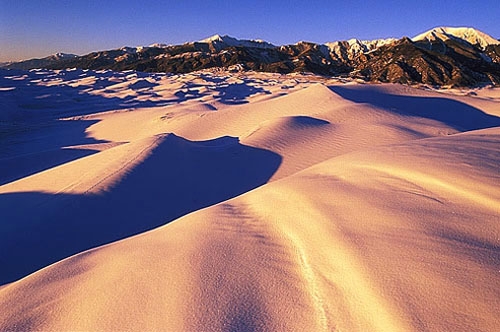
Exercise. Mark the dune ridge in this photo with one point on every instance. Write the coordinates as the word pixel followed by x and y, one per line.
pixel 223 201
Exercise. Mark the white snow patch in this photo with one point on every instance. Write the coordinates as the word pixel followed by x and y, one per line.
pixel 471 35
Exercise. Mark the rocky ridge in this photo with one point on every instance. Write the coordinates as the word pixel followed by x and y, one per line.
pixel 438 57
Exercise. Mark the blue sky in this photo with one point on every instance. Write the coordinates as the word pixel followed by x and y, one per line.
pixel 37 28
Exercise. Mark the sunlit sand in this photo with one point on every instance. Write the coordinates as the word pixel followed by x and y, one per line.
pixel 229 201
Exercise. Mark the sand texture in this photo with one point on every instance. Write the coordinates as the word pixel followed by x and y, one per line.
pixel 218 201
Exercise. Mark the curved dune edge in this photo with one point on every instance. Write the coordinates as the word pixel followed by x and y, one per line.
pixel 375 219
pixel 339 246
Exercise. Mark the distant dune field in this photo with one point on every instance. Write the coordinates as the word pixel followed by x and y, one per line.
pixel 242 201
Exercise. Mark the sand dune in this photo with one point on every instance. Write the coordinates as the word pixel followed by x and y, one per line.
pixel 218 201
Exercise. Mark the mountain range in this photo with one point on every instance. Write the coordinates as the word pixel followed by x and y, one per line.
pixel 442 56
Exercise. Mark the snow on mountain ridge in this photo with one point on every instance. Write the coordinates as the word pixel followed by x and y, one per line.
pixel 160 45
pixel 471 35
pixel 231 41
pixel 64 55
pixel 132 50
pixel 356 46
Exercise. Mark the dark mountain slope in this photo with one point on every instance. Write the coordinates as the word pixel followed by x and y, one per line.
pixel 436 58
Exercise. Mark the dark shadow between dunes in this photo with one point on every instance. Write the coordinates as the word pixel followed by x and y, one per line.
pixel 12 169
pixel 41 148
pixel 301 121
pixel 33 138
pixel 237 93
pixel 453 113
pixel 178 177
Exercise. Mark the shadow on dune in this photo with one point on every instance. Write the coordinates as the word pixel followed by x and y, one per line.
pixel 41 148
pixel 237 93
pixel 178 177
pixel 142 84
pixel 31 98
pixel 453 113
pixel 12 169
pixel 33 138
pixel 301 121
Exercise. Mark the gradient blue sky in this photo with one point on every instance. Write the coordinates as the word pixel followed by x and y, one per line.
pixel 37 28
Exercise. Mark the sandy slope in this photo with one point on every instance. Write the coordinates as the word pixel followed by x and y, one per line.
pixel 380 212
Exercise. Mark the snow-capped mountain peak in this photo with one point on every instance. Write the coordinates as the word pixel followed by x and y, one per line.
pixel 61 56
pixel 354 47
pixel 159 45
pixel 225 40
pixel 218 38
pixel 471 35
pixel 132 50
pixel 58 57
pixel 473 56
